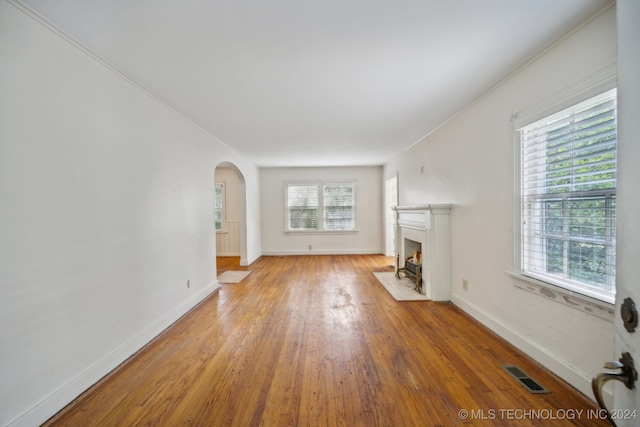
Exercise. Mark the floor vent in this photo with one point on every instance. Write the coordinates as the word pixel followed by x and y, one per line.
pixel 525 379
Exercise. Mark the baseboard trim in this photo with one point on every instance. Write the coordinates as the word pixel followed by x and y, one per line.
pixel 324 252
pixel 579 380
pixel 248 261
pixel 60 398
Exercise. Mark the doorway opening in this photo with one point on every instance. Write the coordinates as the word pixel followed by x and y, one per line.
pixel 230 213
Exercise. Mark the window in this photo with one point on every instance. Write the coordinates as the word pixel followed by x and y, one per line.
pixel 302 203
pixel 568 197
pixel 338 207
pixel 321 207
pixel 218 206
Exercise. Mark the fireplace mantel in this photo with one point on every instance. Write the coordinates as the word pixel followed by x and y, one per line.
pixel 429 225
pixel 418 217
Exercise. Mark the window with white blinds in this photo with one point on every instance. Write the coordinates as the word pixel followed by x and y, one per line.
pixel 321 206
pixel 568 190
pixel 218 206
pixel 338 206
pixel 302 207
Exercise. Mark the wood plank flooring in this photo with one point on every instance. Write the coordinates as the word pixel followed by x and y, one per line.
pixel 317 341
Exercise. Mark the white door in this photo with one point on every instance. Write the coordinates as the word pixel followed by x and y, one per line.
pixel 626 402
pixel 390 199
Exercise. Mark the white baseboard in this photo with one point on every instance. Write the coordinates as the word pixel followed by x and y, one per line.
pixel 57 400
pixel 577 379
pixel 245 262
pixel 323 252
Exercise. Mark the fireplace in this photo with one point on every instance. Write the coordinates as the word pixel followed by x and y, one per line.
pixel 423 248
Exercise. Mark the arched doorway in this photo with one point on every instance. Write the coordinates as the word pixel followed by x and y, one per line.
pixel 230 212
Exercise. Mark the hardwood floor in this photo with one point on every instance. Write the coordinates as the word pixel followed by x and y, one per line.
pixel 317 341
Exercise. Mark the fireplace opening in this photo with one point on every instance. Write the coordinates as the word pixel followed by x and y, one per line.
pixel 413 262
pixel 413 251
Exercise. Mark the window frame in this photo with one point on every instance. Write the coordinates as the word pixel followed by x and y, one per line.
pixel 320 213
pixel 589 299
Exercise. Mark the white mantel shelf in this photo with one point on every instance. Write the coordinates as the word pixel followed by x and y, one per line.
pixel 431 226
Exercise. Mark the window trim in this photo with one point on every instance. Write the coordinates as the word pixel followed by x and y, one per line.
pixel 320 184
pixel 576 300
pixel 599 82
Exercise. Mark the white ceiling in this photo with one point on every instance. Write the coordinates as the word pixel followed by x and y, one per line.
pixel 317 82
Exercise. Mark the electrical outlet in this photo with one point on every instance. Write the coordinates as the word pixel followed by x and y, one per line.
pixel 465 285
pixel 188 283
pixel 310 247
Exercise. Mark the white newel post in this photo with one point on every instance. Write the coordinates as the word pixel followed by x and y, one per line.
pixel 431 226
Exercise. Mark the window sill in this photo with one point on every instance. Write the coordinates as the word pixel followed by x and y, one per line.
pixel 593 306
pixel 321 232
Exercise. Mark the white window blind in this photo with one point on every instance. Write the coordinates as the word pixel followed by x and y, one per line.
pixel 302 206
pixel 568 189
pixel 338 203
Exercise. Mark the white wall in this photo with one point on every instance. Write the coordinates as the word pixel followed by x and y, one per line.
pixel 469 162
pixel 228 241
pixel 106 214
pixel 369 219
